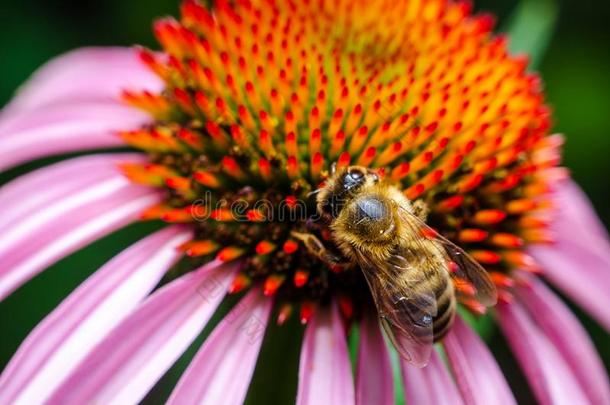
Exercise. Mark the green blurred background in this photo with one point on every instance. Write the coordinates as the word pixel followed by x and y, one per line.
pixel 574 60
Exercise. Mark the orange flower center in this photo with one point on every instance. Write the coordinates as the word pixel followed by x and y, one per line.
pixel 262 98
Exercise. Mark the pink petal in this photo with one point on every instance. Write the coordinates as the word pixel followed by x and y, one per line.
pixel 84 75
pixel 577 223
pixel 56 189
pixel 548 374
pixel 56 346
pixel 65 128
pixel 325 372
pixel 374 382
pixel 128 362
pixel 72 103
pixel 569 268
pixel 221 371
pixel 94 203
pixel 33 255
pixel 571 340
pixel 576 209
pixel 579 262
pixel 18 200
pixel 476 372
pixel 431 384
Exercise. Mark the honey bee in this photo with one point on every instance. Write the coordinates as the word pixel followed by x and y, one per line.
pixel 410 269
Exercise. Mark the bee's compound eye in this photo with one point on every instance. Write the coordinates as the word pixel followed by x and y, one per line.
pixel 356 174
pixel 352 179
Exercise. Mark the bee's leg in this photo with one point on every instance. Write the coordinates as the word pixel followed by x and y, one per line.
pixel 313 244
pixel 420 209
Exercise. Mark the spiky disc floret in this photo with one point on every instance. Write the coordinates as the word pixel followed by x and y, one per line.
pixel 262 97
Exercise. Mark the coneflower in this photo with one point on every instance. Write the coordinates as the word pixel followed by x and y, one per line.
pixel 237 122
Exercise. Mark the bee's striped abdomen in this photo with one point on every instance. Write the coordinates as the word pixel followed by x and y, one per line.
pixel 446 307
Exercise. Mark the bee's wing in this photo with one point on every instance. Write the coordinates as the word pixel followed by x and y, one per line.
pixel 461 265
pixel 406 305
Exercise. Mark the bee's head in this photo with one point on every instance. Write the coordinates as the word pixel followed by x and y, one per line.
pixel 341 188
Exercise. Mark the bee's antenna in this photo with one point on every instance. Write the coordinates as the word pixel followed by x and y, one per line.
pixel 312 193
pixel 333 168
